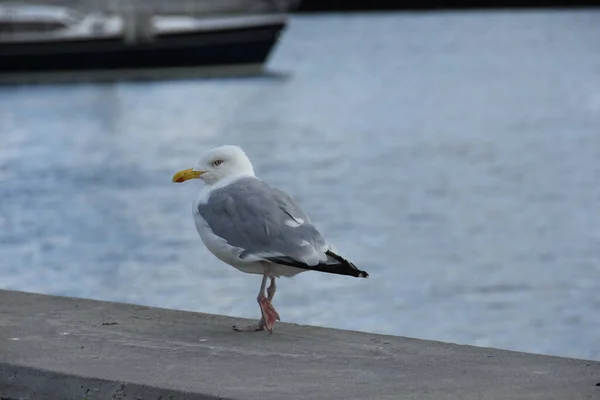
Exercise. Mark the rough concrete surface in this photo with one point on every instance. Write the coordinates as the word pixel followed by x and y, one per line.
pixel 65 348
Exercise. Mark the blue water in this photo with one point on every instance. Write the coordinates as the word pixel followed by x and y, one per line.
pixel 454 156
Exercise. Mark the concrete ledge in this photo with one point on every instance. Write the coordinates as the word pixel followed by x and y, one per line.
pixel 64 348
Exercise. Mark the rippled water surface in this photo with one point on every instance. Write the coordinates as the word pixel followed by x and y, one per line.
pixel 453 156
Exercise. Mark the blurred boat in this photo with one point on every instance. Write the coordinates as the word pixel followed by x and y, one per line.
pixel 38 42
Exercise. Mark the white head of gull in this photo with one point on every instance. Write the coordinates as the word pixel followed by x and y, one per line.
pixel 256 228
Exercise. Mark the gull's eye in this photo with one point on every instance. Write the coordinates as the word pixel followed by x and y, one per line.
pixel 217 163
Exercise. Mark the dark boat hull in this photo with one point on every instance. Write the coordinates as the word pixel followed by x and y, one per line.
pixel 242 49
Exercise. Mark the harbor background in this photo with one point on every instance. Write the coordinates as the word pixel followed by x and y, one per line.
pixel 389 5
pixel 452 155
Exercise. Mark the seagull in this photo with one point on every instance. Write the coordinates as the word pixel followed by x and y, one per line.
pixel 257 228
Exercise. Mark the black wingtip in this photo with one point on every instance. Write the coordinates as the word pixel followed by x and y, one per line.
pixel 352 269
pixel 343 266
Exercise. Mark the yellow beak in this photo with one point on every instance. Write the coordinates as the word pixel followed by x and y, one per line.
pixel 186 174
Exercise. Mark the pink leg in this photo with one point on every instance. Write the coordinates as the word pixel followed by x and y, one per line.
pixel 270 315
pixel 271 290
pixel 268 312
pixel 271 312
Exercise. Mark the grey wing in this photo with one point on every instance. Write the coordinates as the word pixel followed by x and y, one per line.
pixel 265 223
pixel 289 206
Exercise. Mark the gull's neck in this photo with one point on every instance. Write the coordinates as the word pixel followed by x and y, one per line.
pixel 206 190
